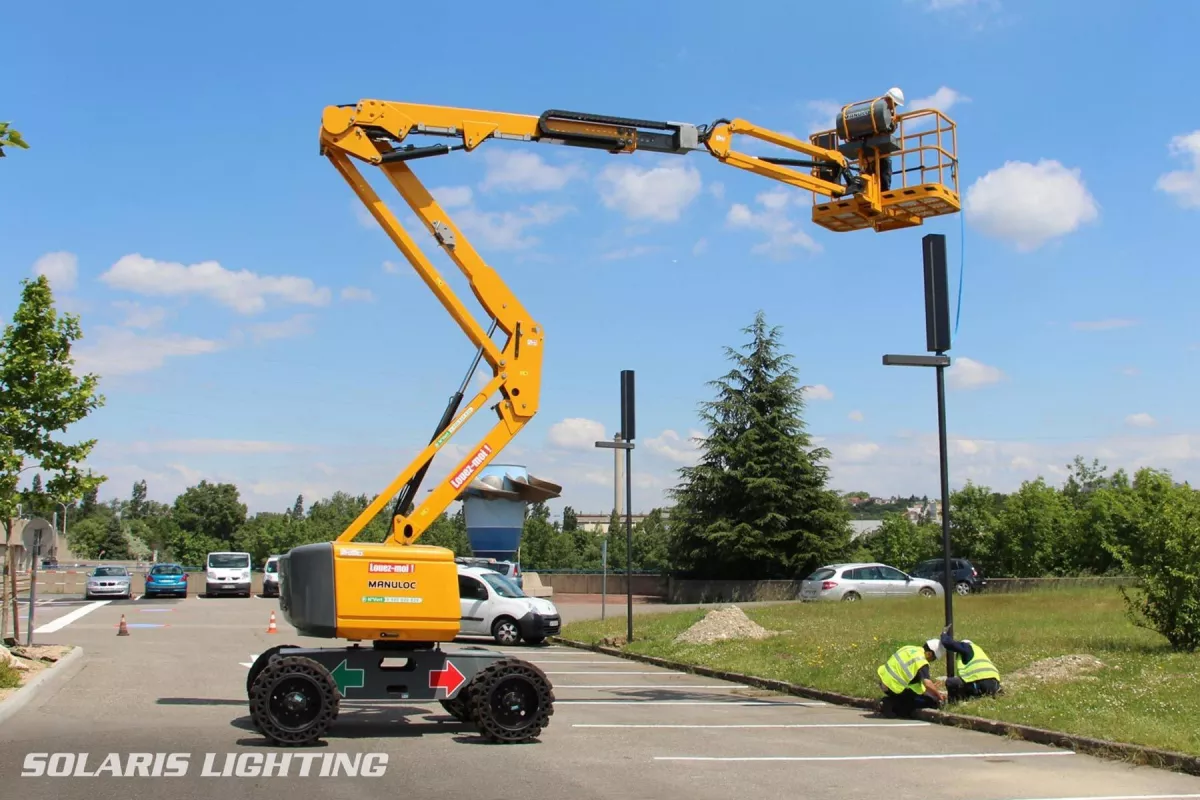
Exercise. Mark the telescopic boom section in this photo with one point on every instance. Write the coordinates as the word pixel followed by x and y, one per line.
pixel 372 131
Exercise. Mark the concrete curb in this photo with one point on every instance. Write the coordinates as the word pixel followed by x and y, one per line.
pixel 62 670
pixel 1114 751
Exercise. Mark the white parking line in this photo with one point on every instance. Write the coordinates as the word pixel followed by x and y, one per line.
pixel 1119 797
pixel 540 662
pixel 66 619
pixel 866 758
pixel 674 686
pixel 798 725
pixel 662 673
pixel 758 703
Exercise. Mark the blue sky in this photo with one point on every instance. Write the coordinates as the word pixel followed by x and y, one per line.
pixel 252 326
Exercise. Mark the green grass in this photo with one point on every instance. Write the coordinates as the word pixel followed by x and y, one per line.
pixel 1144 695
pixel 9 677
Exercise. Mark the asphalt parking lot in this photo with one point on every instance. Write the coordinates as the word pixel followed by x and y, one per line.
pixel 620 729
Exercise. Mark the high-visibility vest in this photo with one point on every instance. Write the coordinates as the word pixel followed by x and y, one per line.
pixel 980 668
pixel 900 670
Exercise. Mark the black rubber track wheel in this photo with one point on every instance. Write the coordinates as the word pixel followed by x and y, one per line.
pixel 511 701
pixel 261 661
pixel 458 707
pixel 293 701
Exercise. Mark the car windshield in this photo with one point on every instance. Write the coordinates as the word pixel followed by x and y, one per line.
pixel 228 561
pixel 503 586
pixel 821 574
pixel 166 569
pixel 110 572
pixel 272 566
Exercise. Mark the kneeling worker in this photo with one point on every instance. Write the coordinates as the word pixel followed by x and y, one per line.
pixel 906 681
pixel 974 673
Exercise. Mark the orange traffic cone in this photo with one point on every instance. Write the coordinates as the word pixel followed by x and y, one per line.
pixel 122 629
pixel 271 627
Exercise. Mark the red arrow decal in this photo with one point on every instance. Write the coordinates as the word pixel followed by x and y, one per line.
pixel 448 678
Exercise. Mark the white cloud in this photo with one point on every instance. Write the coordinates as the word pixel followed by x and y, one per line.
pixel 206 447
pixel 818 392
pixel 623 253
pixel 1030 204
pixel 856 416
pixel 577 433
pixel 243 291
pixel 297 325
pixel 783 233
pixel 1140 420
pixel 355 293
pixel 505 230
pixel 523 171
pixel 452 196
pixel 395 267
pixel 673 447
pixel 657 193
pixel 60 268
pixel 717 190
pixel 967 373
pixel 943 100
pixel 857 452
pixel 1104 324
pixel 824 114
pixel 138 317
pixel 1131 371
pixel 700 246
pixel 124 352
pixel 1184 184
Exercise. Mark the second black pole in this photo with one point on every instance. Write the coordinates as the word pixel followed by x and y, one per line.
pixel 945 515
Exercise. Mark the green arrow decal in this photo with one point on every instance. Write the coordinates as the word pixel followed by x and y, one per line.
pixel 347 678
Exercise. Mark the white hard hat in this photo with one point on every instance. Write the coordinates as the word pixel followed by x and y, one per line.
pixel 896 95
pixel 934 646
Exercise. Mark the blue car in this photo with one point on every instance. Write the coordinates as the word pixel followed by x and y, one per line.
pixel 166 579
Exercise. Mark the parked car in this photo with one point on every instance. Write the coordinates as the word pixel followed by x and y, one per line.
pixel 166 579
pixel 493 605
pixel 509 569
pixel 270 587
pixel 965 577
pixel 853 582
pixel 109 582
pixel 227 572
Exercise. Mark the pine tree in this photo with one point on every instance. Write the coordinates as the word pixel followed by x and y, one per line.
pixel 756 505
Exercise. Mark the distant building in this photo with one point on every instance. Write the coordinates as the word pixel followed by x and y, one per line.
pixel 861 527
pixel 598 523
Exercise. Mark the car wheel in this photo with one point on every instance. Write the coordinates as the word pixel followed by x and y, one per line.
pixel 962 587
pixel 927 592
pixel 850 597
pixel 505 631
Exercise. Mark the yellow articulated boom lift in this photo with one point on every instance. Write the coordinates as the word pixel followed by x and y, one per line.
pixel 402 597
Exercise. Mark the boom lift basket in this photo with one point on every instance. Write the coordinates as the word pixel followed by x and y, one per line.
pixel 924 163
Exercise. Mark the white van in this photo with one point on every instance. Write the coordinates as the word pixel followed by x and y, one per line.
pixel 493 605
pixel 227 573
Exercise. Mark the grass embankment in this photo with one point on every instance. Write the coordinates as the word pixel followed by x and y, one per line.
pixel 1144 694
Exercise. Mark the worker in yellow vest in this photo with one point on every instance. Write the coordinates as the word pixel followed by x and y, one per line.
pixel 906 680
pixel 974 673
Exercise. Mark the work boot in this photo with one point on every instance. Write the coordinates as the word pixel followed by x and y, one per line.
pixel 887 706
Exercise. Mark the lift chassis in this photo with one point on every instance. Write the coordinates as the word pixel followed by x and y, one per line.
pixel 296 693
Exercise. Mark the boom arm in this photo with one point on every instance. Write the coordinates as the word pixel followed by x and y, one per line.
pixel 372 132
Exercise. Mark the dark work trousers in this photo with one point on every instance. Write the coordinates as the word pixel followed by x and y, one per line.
pixel 958 690
pixel 905 703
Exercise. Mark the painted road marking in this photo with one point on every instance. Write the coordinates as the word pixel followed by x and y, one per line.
pixel 250 663
pixel 798 725
pixel 1121 797
pixel 673 686
pixel 66 619
pixel 759 703
pixel 576 663
pixel 662 673
pixel 866 758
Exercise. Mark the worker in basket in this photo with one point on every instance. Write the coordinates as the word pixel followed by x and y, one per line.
pixel 974 673
pixel 906 680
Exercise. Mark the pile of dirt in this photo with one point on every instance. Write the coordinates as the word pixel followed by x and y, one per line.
pixel 1059 668
pixel 719 624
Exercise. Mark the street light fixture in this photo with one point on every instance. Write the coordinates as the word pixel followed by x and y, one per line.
pixel 937 336
pixel 624 441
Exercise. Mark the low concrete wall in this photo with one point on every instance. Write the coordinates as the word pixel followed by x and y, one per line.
pixel 1008 585
pixel 685 591
pixel 53 583
pixel 646 585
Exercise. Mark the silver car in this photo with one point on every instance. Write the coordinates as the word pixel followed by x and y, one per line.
pixel 109 582
pixel 853 582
